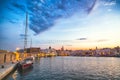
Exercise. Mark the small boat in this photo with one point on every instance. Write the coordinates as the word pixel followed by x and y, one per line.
pixel 26 63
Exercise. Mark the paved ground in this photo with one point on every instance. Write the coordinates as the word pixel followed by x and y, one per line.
pixel 6 69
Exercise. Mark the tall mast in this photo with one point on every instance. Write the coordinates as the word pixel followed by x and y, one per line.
pixel 26 27
pixel 31 43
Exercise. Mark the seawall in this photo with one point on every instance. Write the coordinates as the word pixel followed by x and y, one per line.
pixel 6 57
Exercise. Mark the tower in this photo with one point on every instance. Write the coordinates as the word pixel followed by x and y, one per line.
pixel 49 47
pixel 62 49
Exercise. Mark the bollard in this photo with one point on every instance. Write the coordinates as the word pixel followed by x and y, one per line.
pixel 2 66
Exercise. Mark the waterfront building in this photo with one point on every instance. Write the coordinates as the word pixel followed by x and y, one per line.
pixel 49 51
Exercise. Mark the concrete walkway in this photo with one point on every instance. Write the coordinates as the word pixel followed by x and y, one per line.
pixel 7 69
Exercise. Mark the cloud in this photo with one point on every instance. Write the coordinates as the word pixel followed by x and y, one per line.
pixel 44 13
pixel 102 40
pixel 19 6
pixel 110 3
pixel 91 7
pixel 13 22
pixel 82 39
pixel 68 45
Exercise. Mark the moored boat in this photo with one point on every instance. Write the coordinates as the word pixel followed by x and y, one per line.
pixel 26 63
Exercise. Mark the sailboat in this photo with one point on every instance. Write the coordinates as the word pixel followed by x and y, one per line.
pixel 27 62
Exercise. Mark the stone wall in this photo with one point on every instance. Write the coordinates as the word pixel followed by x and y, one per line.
pixel 6 57
pixel 2 58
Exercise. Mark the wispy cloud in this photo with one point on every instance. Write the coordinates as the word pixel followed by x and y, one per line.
pixel 102 40
pixel 110 3
pixel 68 45
pixel 82 39
pixel 13 22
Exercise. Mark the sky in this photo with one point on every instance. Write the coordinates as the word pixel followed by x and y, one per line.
pixel 74 24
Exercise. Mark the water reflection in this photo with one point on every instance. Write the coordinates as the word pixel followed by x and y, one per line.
pixel 25 72
pixel 14 76
pixel 72 68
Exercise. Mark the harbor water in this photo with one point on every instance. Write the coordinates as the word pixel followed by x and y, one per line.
pixel 71 68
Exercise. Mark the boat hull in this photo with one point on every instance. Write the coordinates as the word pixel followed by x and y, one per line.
pixel 25 66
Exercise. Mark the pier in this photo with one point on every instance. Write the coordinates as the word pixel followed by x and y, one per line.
pixel 8 63
pixel 8 68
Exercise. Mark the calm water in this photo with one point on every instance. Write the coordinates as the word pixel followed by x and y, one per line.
pixel 71 68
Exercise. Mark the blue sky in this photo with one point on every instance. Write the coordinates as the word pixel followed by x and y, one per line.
pixel 74 24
